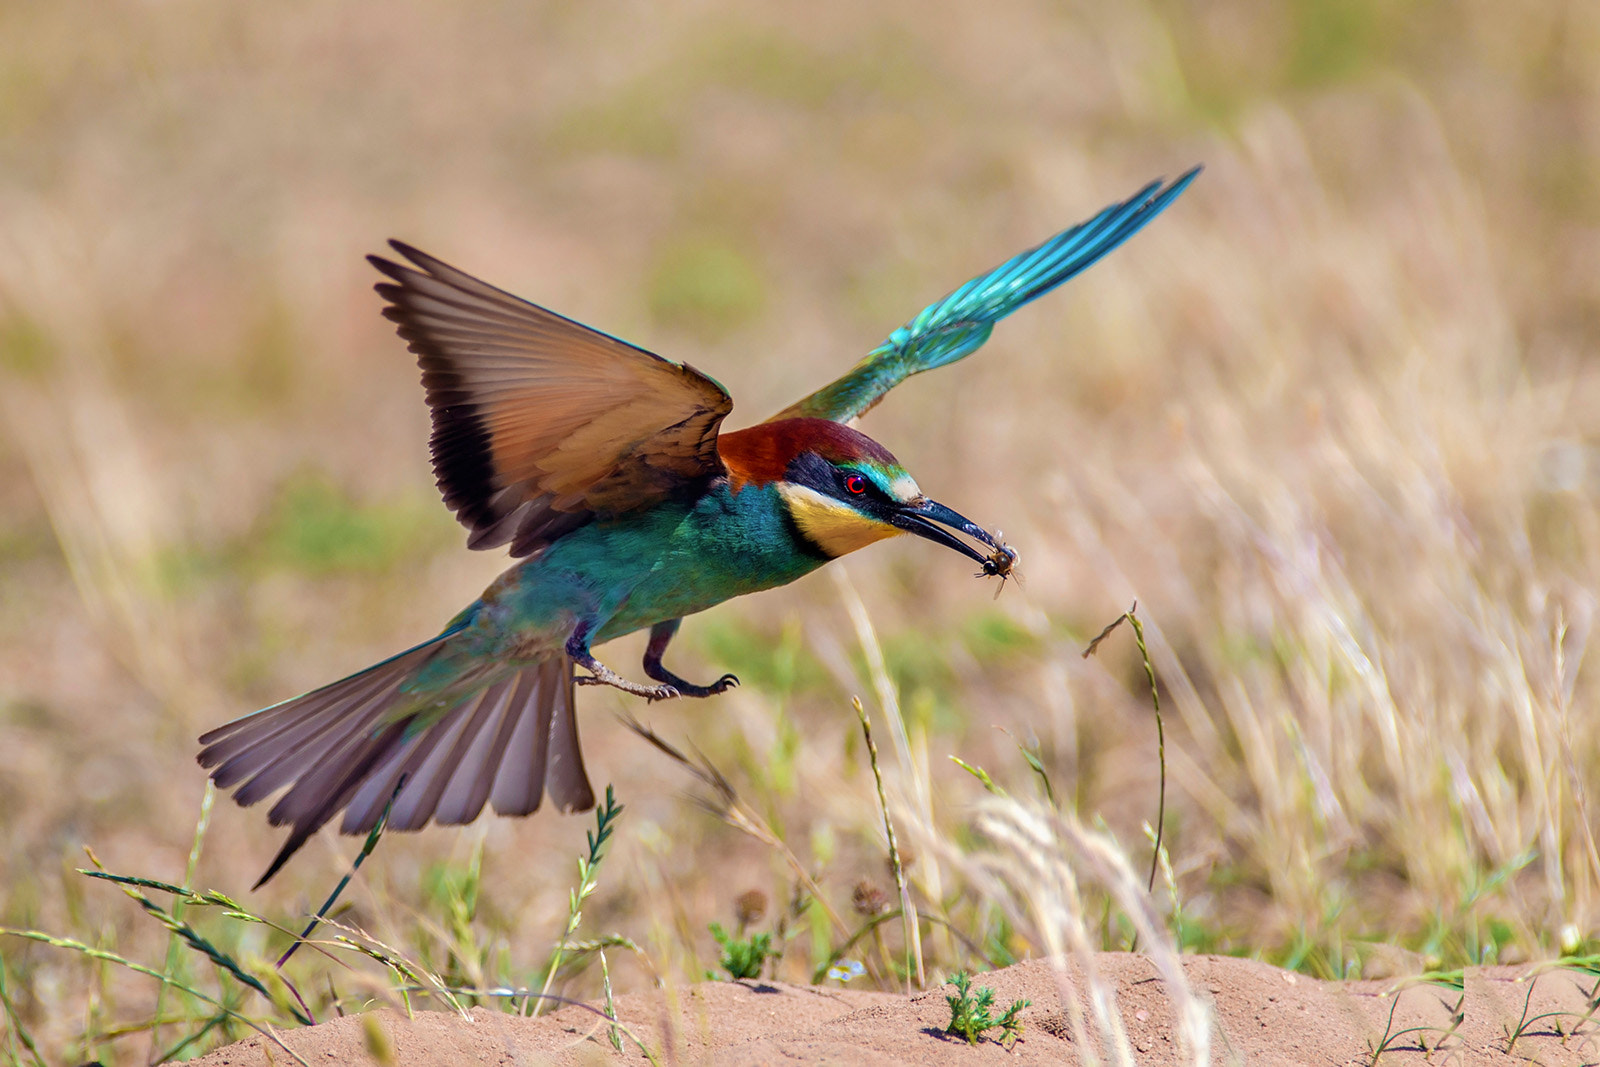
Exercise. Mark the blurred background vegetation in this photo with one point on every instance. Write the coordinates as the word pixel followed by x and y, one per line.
pixel 1332 420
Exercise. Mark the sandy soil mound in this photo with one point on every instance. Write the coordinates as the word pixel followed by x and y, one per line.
pixel 1263 1015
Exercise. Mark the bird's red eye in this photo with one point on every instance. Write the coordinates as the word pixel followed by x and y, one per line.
pixel 856 484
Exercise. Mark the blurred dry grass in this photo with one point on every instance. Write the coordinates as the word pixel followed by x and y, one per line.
pixel 1333 421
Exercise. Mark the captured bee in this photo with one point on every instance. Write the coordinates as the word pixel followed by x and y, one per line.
pixel 1002 562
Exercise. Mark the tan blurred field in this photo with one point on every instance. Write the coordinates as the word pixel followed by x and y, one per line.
pixel 1333 420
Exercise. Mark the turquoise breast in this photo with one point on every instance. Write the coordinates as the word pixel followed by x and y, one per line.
pixel 672 560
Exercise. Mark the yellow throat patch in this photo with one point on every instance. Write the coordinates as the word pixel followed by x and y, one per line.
pixel 834 527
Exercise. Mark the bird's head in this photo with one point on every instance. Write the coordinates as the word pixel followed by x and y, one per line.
pixel 842 489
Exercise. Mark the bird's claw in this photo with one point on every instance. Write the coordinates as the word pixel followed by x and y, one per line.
pixel 651 693
pixel 721 685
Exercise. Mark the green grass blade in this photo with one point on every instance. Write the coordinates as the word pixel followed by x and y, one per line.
pixel 366 850
pixel 106 956
pixel 174 962
pixel 15 1027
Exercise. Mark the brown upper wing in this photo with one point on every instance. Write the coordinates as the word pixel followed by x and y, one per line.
pixel 540 423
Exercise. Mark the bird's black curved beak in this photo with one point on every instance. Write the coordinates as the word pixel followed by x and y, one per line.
pixel 920 519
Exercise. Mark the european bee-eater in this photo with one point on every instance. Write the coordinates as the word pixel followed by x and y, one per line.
pixel 603 467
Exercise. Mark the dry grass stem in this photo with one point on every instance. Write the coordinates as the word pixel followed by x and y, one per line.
pixel 725 803
pixel 1033 870
pixel 907 911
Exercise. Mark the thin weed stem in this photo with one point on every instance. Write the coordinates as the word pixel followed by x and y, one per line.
pixel 588 874
pixel 612 1033
pixel 173 956
pixel 981 775
pixel 727 805
pixel 369 946
pixel 907 912
pixel 1523 1022
pixel 192 937
pixel 1037 765
pixel 1591 999
pixel 105 956
pixel 1452 979
pixel 366 850
pixel 14 1025
pixel 177 1050
pixel 1161 734
pixel 913 757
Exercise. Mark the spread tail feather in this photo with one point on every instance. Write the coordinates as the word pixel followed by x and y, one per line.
pixel 344 748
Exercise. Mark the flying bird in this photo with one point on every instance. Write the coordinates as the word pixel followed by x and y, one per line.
pixel 605 469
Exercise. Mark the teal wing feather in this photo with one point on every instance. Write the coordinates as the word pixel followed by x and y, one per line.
pixel 958 325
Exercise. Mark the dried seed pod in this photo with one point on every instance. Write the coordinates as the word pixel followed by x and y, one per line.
pixel 868 900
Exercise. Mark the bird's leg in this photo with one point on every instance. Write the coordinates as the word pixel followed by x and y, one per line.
pixel 660 634
pixel 578 650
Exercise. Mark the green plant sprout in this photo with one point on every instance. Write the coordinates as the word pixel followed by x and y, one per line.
pixel 605 819
pixel 1591 997
pixel 612 1033
pixel 1455 980
pixel 1031 755
pixel 970 1013
pixel 743 957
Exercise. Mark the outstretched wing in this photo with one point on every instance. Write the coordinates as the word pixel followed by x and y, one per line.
pixel 540 424
pixel 958 325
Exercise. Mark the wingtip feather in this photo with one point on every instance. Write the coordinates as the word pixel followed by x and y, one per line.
pixel 409 251
pixel 390 269
pixel 450 769
pixel 957 325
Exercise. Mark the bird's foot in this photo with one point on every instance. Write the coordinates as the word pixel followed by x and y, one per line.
pixel 689 689
pixel 603 675
pixel 660 636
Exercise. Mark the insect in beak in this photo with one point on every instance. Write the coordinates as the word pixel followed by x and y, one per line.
pixel 1002 562
pixel 929 519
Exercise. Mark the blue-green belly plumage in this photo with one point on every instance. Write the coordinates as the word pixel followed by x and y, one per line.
pixel 629 573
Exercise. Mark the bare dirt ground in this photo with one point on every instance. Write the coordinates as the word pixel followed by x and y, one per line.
pixel 1261 1015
